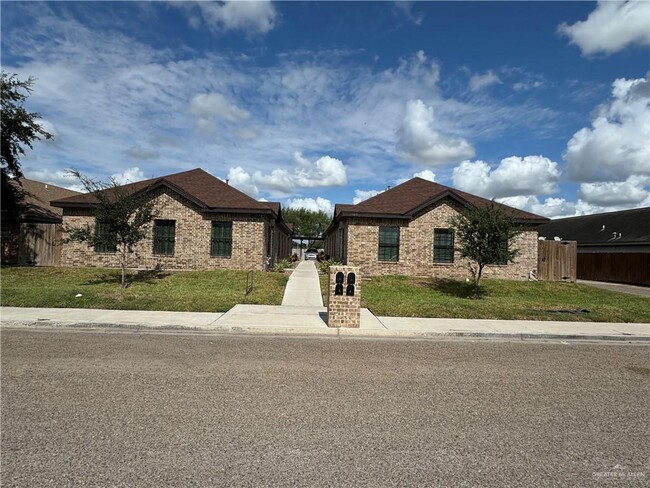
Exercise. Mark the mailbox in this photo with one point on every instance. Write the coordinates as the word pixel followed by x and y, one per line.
pixel 339 278
pixel 352 278
pixel 349 291
pixel 338 289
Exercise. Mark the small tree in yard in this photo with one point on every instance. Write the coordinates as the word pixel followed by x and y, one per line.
pixel 484 234
pixel 121 215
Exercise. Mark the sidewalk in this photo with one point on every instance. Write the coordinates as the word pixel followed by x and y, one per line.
pixel 303 288
pixel 302 320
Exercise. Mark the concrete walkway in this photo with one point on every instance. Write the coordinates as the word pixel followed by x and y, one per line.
pixel 643 291
pixel 301 320
pixel 303 288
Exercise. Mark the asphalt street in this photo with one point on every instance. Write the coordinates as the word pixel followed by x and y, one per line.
pixel 83 408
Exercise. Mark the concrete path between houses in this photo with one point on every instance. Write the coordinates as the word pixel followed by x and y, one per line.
pixel 303 288
pixel 643 291
pixel 305 320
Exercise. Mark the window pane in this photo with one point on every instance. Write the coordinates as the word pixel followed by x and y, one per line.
pixel 443 246
pixel 388 244
pixel 101 232
pixel 164 237
pixel 221 239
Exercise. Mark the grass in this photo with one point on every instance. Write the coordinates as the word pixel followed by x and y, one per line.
pixel 402 296
pixel 191 291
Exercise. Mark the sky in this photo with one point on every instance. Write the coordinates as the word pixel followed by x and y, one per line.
pixel 544 106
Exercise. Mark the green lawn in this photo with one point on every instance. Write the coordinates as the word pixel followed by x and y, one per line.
pixel 402 296
pixel 195 291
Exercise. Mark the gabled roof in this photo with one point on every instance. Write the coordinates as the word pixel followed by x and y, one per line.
pixel 624 227
pixel 209 193
pixel 412 196
pixel 35 196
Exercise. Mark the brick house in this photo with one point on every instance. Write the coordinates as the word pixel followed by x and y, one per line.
pixel 30 232
pixel 406 230
pixel 200 222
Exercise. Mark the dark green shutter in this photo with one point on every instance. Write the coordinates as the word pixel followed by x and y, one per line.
pixel 221 239
pixel 164 237
pixel 101 233
pixel 443 246
pixel 388 244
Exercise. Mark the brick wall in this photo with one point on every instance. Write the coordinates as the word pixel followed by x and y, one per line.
pixel 343 310
pixel 192 246
pixel 416 248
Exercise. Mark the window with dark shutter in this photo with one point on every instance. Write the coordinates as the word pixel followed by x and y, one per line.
pixel 388 244
pixel 164 237
pixel 221 239
pixel 443 245
pixel 105 241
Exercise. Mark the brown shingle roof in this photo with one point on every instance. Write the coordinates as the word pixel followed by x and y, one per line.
pixel 404 200
pixel 36 196
pixel 197 185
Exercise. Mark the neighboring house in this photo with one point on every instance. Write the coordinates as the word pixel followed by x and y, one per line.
pixel 613 246
pixel 406 230
pixel 30 234
pixel 201 222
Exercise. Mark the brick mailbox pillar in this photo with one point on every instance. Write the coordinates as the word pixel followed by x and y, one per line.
pixel 344 297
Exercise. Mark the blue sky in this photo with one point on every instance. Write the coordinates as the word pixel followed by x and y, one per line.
pixel 541 105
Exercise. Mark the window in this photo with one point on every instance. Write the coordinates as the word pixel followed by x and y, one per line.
pixel 164 237
pixel 443 245
pixel 107 242
pixel 389 243
pixel 221 239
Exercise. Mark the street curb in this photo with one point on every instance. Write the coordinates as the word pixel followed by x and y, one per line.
pixel 328 332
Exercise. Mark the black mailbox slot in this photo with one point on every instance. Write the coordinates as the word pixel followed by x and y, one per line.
pixel 352 278
pixel 338 289
pixel 349 291
pixel 339 278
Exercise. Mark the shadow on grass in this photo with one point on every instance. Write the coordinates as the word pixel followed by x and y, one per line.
pixel 147 276
pixel 454 288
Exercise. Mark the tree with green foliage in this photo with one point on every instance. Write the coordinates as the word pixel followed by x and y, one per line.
pixel 122 219
pixel 306 222
pixel 485 234
pixel 19 130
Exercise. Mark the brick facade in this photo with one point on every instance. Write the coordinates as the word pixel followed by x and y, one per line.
pixel 355 242
pixel 254 237
pixel 343 310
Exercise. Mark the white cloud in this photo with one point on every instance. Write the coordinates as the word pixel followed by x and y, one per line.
pixel 426 174
pixel 406 8
pixel 325 171
pixel 361 195
pixel 616 145
pixel 313 204
pixel 58 178
pixel 611 27
pixel 478 82
pixel 240 179
pixel 419 141
pixel 207 106
pixel 527 85
pixel 551 207
pixel 130 175
pixel 253 17
pixel 629 192
pixel 514 176
pixel 48 127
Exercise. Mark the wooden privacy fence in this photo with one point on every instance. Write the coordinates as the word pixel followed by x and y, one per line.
pixel 557 260
pixel 632 268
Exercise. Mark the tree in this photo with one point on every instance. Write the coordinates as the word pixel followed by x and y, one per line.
pixel 306 222
pixel 19 129
pixel 485 234
pixel 121 219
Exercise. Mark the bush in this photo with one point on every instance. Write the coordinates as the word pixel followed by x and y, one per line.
pixel 280 266
pixel 326 263
pixel 294 258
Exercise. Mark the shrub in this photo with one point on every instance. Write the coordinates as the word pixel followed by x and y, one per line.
pixel 325 265
pixel 280 266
